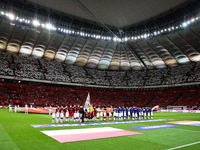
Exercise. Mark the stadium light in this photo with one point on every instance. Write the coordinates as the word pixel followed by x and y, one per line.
pixel 184 24
pixel 11 16
pixel 36 23
pixel 192 20
pixel 49 26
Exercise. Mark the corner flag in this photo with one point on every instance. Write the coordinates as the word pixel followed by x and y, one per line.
pixel 87 102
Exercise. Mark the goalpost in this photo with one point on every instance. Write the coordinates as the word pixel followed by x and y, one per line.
pixel 176 107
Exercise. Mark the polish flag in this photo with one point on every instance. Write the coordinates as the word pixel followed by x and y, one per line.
pixel 12 24
pixel 72 135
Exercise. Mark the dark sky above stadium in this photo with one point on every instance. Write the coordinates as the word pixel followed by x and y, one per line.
pixel 117 13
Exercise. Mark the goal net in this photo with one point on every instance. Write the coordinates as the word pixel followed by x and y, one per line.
pixel 176 107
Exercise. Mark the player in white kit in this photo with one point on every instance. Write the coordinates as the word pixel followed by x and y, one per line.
pixel 121 115
pixel 26 109
pixel 151 114
pixel 61 116
pixel 129 114
pixel 50 110
pixel 98 112
pixel 10 108
pixel 53 115
pixel 15 109
pixel 67 114
pixel 124 114
pixel 57 116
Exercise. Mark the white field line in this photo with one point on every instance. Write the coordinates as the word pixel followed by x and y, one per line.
pixel 185 130
pixel 184 145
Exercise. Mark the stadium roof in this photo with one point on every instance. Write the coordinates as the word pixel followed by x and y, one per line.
pixel 42 29
pixel 116 13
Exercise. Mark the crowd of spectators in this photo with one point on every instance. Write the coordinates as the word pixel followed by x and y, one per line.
pixel 42 97
pixel 29 67
pixel 5 61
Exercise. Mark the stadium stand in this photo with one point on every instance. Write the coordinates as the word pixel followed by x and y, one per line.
pixel 29 67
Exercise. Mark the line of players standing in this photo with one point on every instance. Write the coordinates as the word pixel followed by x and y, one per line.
pixel 80 114
pixel 16 108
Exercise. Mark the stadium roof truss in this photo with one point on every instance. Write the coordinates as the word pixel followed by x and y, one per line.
pixel 167 50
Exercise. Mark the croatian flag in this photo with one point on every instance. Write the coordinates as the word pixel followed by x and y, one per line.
pixel 87 102
pixel 72 135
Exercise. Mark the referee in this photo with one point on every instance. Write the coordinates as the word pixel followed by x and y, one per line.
pixel 82 113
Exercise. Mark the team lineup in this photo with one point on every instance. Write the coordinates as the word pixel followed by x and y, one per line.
pixel 80 114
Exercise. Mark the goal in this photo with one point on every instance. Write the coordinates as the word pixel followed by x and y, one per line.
pixel 176 107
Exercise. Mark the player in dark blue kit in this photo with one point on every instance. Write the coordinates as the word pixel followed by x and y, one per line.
pixel 123 110
pixel 126 111
pixel 149 113
pixel 131 111
pixel 146 113
pixel 115 113
pixel 119 113
pixel 138 111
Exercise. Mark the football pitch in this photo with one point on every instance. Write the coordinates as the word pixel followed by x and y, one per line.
pixel 16 133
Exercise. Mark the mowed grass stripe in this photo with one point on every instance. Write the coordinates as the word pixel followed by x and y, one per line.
pixel 6 142
pixel 18 127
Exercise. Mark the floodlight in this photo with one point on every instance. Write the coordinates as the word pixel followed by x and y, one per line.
pixel 184 24
pixel 11 16
pixel 192 20
pixel 36 23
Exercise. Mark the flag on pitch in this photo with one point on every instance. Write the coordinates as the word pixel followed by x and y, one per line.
pixel 87 102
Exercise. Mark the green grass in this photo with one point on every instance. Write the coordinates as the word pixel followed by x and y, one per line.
pixel 17 133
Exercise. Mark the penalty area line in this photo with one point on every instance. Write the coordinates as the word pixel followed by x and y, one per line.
pixel 186 130
pixel 184 145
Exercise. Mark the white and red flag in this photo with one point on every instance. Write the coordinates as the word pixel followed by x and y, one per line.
pixel 72 135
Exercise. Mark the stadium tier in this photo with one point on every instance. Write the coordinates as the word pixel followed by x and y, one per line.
pixel 99 74
pixel 42 95
pixel 32 68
